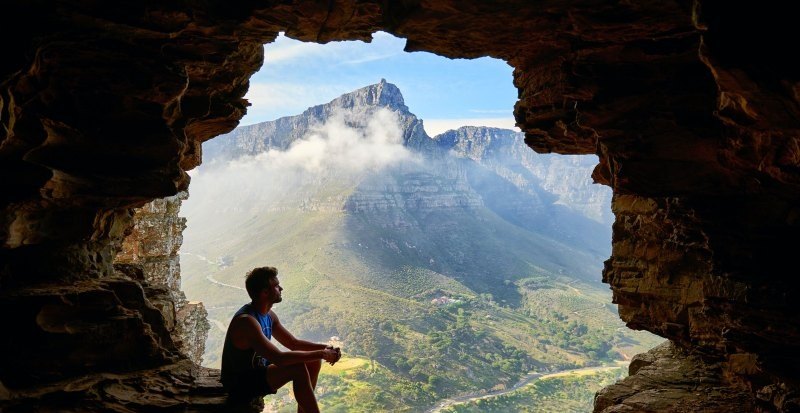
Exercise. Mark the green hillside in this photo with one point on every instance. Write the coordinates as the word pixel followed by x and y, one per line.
pixel 342 277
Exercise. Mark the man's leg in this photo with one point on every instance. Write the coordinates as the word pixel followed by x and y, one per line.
pixel 277 376
pixel 313 368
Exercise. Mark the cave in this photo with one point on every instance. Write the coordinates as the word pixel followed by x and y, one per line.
pixel 693 115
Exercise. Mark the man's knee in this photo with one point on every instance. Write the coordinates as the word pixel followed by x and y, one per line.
pixel 314 365
pixel 298 371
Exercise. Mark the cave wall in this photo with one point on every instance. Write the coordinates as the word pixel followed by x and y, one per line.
pixel 104 107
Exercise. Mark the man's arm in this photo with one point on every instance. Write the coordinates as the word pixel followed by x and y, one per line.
pixel 247 334
pixel 290 341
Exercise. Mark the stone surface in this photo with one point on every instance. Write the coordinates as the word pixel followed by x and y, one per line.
pixel 180 386
pixel 154 241
pixel 694 117
pixel 149 254
pixel 668 379
pixel 60 331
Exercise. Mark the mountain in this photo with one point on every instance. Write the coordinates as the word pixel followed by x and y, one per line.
pixel 451 264
pixel 281 133
pixel 564 176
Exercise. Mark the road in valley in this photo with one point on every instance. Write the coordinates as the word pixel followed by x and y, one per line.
pixel 529 378
pixel 209 277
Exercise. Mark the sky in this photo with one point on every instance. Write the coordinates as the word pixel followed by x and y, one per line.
pixel 444 93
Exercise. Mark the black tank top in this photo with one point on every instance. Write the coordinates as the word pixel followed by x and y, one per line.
pixel 236 361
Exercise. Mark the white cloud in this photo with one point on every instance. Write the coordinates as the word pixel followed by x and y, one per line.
pixel 333 153
pixel 335 146
pixel 434 127
pixel 368 58
pixel 285 50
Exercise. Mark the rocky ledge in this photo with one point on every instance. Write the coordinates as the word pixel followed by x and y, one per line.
pixel 668 379
pixel 181 386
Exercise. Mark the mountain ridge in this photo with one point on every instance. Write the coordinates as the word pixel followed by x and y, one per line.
pixel 282 132
pixel 481 144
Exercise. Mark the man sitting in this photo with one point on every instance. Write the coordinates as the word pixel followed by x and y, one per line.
pixel 252 366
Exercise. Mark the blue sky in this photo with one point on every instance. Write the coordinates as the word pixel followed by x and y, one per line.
pixel 445 93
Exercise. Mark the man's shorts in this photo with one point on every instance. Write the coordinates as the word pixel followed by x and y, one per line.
pixel 250 384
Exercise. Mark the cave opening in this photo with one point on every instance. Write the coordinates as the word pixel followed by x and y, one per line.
pixel 104 107
pixel 399 232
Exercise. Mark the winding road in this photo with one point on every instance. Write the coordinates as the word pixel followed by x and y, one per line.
pixel 530 377
pixel 209 277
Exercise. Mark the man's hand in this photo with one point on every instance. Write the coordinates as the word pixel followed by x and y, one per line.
pixel 338 354
pixel 331 355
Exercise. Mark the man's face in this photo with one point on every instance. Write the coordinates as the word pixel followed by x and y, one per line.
pixel 274 291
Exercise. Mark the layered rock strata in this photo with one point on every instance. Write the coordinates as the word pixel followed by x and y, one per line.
pixel 669 379
pixel 103 108
pixel 150 254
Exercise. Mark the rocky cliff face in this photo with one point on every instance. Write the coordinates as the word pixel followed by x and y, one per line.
pixel 150 254
pixel 414 190
pixel 505 153
pixel 104 107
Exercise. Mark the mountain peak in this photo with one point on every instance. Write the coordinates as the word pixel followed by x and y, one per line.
pixel 382 93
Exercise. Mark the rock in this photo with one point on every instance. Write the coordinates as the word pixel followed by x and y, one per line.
pixel 643 360
pixel 150 254
pixel 180 386
pixel 667 379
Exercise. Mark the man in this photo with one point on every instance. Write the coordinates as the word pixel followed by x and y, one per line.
pixel 252 366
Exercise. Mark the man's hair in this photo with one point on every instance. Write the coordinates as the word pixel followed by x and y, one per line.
pixel 258 279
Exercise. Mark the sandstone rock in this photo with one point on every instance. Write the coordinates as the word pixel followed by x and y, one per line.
pixel 150 254
pixel 180 386
pixel 667 379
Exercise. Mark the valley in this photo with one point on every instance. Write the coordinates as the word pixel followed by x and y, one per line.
pixel 444 267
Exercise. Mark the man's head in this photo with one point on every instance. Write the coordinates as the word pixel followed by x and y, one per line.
pixel 262 284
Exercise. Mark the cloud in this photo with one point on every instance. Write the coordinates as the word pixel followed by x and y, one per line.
pixel 434 127
pixel 330 155
pixel 298 75
pixel 337 146
pixel 368 58
pixel 285 51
